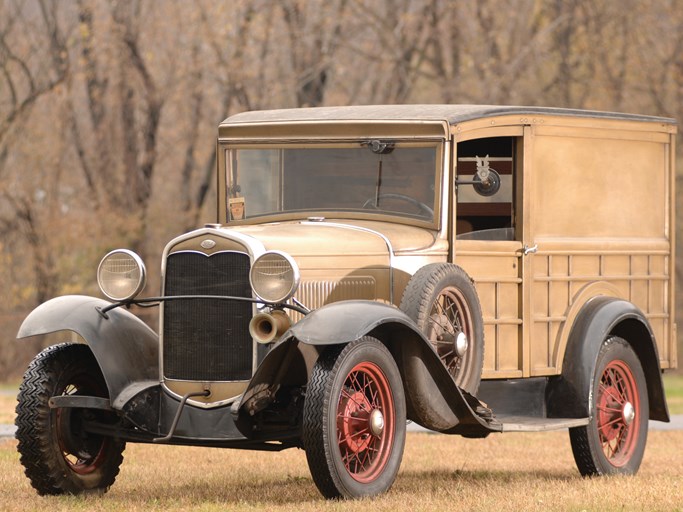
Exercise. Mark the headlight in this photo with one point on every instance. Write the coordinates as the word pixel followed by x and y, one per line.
pixel 274 277
pixel 121 275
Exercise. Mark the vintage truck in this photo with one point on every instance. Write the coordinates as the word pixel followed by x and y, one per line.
pixel 473 269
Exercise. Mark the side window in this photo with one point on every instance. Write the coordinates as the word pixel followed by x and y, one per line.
pixel 482 214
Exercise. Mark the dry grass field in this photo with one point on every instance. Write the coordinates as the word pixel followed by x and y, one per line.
pixel 673 383
pixel 513 472
pixel 7 404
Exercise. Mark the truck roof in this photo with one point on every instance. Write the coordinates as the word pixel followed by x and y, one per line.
pixel 451 114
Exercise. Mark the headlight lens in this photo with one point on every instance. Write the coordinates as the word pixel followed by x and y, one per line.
pixel 274 277
pixel 121 275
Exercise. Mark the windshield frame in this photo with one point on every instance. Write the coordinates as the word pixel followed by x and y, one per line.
pixel 225 146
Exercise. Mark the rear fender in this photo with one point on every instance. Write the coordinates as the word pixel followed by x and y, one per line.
pixel 432 398
pixel 126 349
pixel 569 395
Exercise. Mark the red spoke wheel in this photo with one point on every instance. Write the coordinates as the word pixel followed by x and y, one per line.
pixel 365 422
pixel 617 403
pixel 614 440
pixel 444 304
pixel 354 420
pixel 58 454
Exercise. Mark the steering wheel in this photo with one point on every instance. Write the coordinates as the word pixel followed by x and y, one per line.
pixel 425 210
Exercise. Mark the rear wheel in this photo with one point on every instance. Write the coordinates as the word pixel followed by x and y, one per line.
pixel 614 440
pixel 58 455
pixel 354 420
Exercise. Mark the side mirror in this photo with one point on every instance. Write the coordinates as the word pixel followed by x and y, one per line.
pixel 486 181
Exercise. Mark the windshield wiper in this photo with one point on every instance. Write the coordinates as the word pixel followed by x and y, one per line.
pixel 380 148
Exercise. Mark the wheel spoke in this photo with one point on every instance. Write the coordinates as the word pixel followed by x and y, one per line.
pixel 454 364
pixel 622 388
pixel 354 384
pixel 350 418
pixel 612 422
pixel 356 434
pixel 609 409
pixel 443 312
pixel 609 391
pixel 622 437
pixel 364 461
pixel 612 447
pixel 447 355
pixel 351 397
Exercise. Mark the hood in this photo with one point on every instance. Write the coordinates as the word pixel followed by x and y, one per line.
pixel 340 260
pixel 340 238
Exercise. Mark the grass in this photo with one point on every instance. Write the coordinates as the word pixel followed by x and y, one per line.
pixel 7 404
pixel 673 385
pixel 533 472
pixel 530 472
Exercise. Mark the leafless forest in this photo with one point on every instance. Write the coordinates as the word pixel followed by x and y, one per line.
pixel 108 109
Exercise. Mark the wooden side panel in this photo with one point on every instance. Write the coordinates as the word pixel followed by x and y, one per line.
pixel 599 210
pixel 637 272
pixel 594 187
pixel 494 267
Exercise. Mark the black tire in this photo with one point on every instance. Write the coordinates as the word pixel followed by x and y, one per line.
pixel 443 302
pixel 614 440
pixel 354 425
pixel 58 456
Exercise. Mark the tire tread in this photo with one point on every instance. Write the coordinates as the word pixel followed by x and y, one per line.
pixel 316 438
pixel 35 440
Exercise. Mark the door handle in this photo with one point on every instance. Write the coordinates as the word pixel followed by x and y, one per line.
pixel 530 250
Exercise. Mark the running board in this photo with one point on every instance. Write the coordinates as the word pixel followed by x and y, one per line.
pixel 536 424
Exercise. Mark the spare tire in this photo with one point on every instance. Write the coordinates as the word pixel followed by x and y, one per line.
pixel 444 304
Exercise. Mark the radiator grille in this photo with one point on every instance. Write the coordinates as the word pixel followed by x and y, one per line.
pixel 207 339
pixel 315 294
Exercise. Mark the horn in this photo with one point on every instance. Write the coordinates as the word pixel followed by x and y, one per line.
pixel 266 327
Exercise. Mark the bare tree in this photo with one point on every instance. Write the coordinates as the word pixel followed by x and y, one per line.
pixel 108 110
pixel 313 32
pixel 141 104
pixel 23 77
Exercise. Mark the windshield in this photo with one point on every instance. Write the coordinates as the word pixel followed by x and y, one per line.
pixel 373 176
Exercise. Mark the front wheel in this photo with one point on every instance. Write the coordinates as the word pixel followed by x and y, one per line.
pixel 614 440
pixel 58 455
pixel 354 420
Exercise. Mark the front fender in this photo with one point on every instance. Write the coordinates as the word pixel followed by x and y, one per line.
pixel 346 321
pixel 432 397
pixel 126 349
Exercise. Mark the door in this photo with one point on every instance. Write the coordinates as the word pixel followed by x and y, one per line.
pixel 488 240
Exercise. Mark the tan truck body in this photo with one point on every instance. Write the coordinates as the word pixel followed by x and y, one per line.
pixel 592 192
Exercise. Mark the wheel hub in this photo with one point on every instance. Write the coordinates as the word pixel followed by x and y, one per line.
pixel 461 344
pixel 628 413
pixel 376 423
